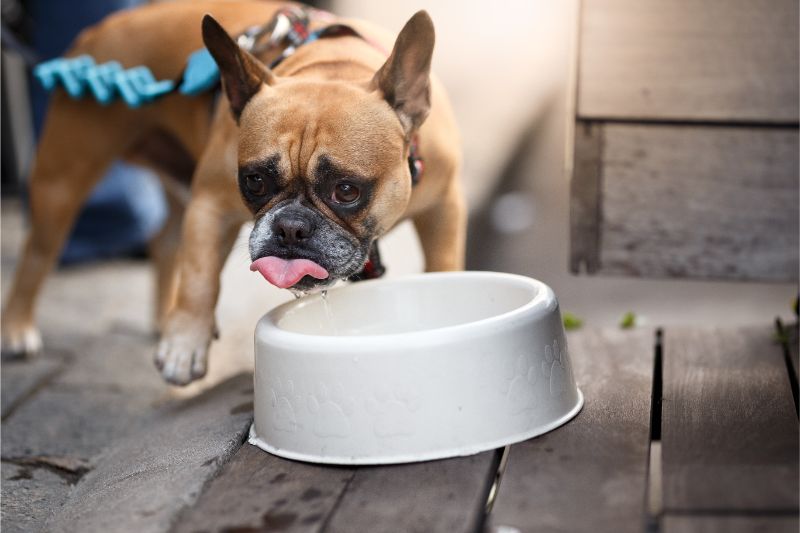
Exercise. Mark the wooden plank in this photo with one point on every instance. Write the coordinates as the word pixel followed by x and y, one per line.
pixel 29 495
pixel 122 361
pixel 589 475
pixel 585 200
pixel 70 423
pixel 258 491
pixel 102 392
pixel 448 496
pixel 725 60
pixel 21 378
pixel 729 429
pixel 730 524
pixel 64 351
pixel 143 482
pixel 702 202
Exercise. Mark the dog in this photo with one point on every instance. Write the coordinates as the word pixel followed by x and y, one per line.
pixel 314 150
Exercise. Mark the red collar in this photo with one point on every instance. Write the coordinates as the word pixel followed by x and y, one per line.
pixel 415 162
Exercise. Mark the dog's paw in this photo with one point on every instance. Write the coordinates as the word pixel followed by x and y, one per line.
pixel 19 341
pixel 182 353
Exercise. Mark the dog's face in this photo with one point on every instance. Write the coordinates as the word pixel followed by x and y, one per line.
pixel 323 164
pixel 322 167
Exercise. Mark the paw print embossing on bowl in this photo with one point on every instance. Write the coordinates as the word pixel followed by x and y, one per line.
pixel 522 379
pixel 332 408
pixel 556 367
pixel 392 410
pixel 282 413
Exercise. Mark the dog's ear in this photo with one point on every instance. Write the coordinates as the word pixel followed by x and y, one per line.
pixel 242 74
pixel 404 79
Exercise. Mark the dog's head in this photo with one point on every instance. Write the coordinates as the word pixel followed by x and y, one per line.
pixel 323 163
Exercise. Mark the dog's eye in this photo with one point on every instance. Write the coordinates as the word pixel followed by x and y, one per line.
pixel 345 193
pixel 255 184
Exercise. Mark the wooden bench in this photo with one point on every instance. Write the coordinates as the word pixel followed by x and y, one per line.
pixel 685 140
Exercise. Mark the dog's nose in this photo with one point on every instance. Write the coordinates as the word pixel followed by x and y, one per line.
pixel 293 229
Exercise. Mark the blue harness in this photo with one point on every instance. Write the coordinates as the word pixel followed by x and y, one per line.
pixel 80 76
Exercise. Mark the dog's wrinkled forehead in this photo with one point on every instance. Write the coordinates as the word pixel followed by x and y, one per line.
pixel 303 121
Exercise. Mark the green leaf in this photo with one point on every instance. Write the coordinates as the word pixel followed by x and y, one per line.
pixel 780 337
pixel 571 321
pixel 628 320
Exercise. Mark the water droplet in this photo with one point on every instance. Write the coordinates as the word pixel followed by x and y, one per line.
pixel 298 293
pixel 328 313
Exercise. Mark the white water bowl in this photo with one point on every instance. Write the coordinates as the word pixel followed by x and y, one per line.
pixel 424 367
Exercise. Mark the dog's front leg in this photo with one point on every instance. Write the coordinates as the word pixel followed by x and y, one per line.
pixel 210 229
pixel 209 234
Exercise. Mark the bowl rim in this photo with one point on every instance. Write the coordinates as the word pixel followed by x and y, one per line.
pixel 543 303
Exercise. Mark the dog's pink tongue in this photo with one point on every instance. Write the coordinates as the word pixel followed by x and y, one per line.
pixel 284 273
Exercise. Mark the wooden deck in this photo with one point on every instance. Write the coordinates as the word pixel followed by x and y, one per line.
pixel 682 430
pixel 687 429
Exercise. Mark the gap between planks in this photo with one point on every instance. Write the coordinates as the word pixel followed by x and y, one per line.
pixel 724 511
pixel 788 336
pixel 687 121
pixel 702 519
pixel 655 504
pixel 591 474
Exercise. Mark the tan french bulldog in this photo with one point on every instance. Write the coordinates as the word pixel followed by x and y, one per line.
pixel 316 151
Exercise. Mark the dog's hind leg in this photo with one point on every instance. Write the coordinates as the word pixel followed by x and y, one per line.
pixel 171 150
pixel 79 141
